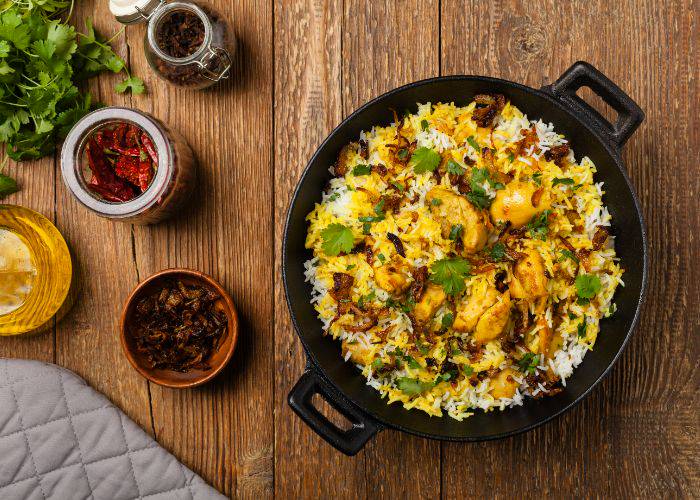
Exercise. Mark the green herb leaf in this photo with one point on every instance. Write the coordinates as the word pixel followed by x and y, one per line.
pixel 436 202
pixel 350 267
pixel 381 258
pixel 455 232
pixel 412 363
pixel 379 207
pixel 447 320
pixel 455 168
pixel 398 186
pixel 511 157
pixel 498 252
pixel 562 180
pixel 472 142
pixel 424 124
pixel 478 196
pixel 361 169
pixel 7 185
pixel 587 285
pixel 412 386
pixel 528 363
pixel 337 238
pixel 468 370
pixel 582 327
pixel 371 218
pixel 567 254
pixel 377 364
pixel 132 83
pixel 424 160
pixel 537 178
pixel 539 225
pixel 450 273
pixel 366 227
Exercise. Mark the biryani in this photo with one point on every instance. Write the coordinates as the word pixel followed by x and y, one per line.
pixel 462 257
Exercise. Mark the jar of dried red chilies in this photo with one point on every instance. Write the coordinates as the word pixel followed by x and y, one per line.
pixel 186 43
pixel 124 164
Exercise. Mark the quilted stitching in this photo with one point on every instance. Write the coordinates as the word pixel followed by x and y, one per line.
pixel 62 440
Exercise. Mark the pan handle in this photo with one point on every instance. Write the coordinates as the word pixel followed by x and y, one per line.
pixel 348 441
pixel 580 74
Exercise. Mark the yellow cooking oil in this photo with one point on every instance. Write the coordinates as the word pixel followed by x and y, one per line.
pixel 35 270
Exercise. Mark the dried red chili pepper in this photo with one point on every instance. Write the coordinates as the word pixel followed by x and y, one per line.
pixel 122 160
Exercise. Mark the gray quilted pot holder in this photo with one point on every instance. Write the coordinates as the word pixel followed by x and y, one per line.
pixel 60 439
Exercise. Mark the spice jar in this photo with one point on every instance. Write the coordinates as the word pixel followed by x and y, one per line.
pixel 186 44
pixel 126 165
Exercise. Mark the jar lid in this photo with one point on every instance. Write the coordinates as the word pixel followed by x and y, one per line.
pixel 133 11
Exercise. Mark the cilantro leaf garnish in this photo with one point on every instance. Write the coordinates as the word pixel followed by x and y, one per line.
pixel 582 328
pixel 424 124
pixel 377 364
pixel 587 285
pixel 450 273
pixel 511 157
pixel 498 252
pixel 447 320
pixel 472 142
pixel 528 363
pixel 537 178
pixel 455 168
pixel 337 238
pixel 455 232
pixel 567 254
pixel 361 169
pixel 478 195
pixel 562 180
pixel 412 386
pixel 436 202
pixel 468 370
pixel 424 160
pixel 538 226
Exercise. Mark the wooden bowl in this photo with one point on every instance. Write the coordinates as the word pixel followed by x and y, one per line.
pixel 217 360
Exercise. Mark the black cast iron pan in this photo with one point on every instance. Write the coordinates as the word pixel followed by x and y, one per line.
pixel 342 385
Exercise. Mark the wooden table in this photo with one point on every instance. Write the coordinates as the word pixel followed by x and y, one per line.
pixel 302 67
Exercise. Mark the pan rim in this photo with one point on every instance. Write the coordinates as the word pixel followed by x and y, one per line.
pixel 615 153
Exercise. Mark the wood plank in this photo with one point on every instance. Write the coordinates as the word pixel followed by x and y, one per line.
pixel 87 340
pixel 634 436
pixel 387 44
pixel 310 67
pixel 307 106
pixel 223 431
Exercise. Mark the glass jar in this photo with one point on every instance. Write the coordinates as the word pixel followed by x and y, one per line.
pixel 36 271
pixel 167 189
pixel 186 43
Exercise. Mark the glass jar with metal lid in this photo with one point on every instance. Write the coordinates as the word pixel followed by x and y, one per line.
pixel 186 43
pixel 126 165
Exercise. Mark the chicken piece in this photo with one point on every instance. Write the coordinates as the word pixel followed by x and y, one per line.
pixel 545 337
pixel 493 321
pixel 359 353
pixel 471 309
pixel 393 276
pixel 432 299
pixel 518 203
pixel 504 384
pixel 529 281
pixel 452 210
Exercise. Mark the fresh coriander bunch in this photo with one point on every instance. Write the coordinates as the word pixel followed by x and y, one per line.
pixel 43 60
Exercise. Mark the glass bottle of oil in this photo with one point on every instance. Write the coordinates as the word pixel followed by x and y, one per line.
pixel 35 270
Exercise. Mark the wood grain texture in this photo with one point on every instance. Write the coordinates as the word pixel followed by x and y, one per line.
pixel 302 66
pixel 224 430
pixel 640 426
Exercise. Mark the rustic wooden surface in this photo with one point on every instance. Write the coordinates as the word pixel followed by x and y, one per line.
pixel 302 66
